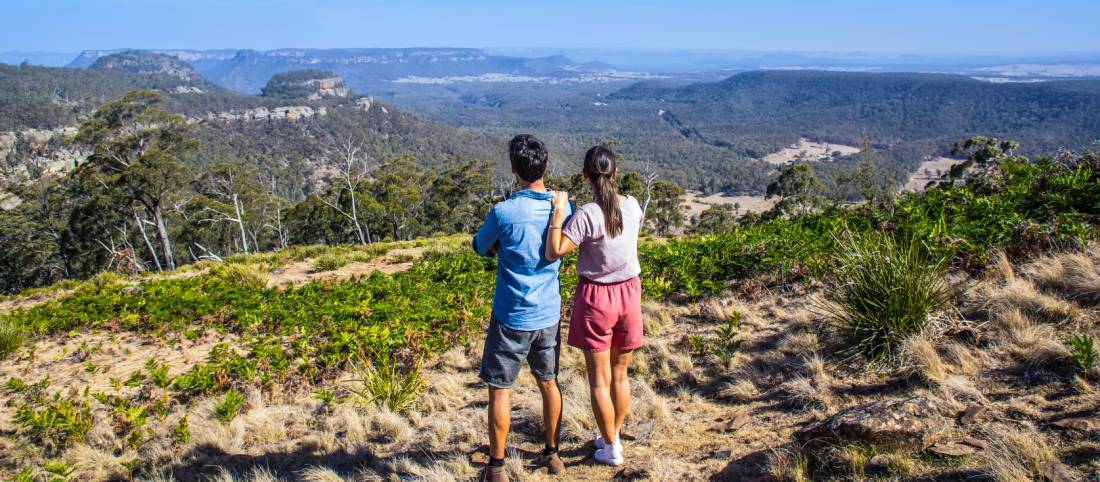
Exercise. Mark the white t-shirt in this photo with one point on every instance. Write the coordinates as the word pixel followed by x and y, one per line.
pixel 604 259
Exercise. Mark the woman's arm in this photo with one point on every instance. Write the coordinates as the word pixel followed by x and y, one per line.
pixel 558 245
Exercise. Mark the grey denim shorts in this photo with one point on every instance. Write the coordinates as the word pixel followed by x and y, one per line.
pixel 505 350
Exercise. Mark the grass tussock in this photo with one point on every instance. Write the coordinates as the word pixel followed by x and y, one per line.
pixel 921 360
pixel 11 338
pixel 741 391
pixel 1021 294
pixel 656 317
pixel 1015 455
pixel 885 292
pixel 245 275
pixel 330 262
pixel 382 382
pixel 1075 276
pixel 788 465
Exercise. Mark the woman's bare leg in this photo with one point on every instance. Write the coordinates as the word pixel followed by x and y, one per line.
pixel 599 385
pixel 620 385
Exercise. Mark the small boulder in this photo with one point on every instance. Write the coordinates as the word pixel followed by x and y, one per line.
pixel 910 423
pixel 965 334
pixel 970 414
pixel 952 449
pixel 1076 423
pixel 1055 471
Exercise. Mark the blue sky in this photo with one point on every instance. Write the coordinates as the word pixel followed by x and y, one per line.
pixel 922 26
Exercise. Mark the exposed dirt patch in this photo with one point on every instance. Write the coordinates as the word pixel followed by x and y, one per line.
pixel 302 272
pixel 807 150
pixel 697 203
pixel 929 171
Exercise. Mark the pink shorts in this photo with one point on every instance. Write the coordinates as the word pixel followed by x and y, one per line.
pixel 607 315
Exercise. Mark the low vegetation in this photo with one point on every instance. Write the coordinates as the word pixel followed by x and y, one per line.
pixel 884 293
pixel 253 367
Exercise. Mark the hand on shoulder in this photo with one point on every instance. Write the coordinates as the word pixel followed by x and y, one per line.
pixel 560 200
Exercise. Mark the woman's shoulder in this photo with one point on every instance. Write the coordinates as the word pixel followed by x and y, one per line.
pixel 628 199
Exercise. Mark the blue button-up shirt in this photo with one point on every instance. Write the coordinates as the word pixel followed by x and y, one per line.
pixel 528 295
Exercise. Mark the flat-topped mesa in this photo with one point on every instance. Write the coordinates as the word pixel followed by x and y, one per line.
pixel 306 84
pixel 149 63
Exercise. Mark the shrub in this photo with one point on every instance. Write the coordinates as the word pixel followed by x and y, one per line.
pixel 381 383
pixel 330 262
pixel 1083 349
pixel 11 338
pixel 243 275
pixel 55 423
pixel 725 344
pixel 884 292
pixel 229 406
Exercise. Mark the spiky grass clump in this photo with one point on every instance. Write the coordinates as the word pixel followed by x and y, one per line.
pixel 11 338
pixel 248 275
pixel 330 262
pixel 885 292
pixel 381 382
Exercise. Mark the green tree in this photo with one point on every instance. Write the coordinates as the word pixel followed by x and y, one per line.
pixel 715 219
pixel 135 147
pixel 460 196
pixel 799 187
pixel 667 207
pixel 399 190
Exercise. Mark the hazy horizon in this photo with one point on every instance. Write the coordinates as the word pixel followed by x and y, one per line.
pixel 937 27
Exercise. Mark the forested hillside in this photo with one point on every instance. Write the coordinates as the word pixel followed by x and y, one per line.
pixel 707 135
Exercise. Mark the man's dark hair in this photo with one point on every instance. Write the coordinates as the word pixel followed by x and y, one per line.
pixel 528 155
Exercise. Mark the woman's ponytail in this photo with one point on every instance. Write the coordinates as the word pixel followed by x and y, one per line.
pixel 600 168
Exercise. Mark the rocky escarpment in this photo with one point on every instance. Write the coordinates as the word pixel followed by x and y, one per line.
pixel 148 63
pixel 306 84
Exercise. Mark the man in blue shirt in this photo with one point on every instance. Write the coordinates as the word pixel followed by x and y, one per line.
pixel 526 319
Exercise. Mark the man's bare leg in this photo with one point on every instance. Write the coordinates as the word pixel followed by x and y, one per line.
pixel 551 410
pixel 500 420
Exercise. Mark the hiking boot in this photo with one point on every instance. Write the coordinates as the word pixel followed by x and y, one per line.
pixel 493 474
pixel 552 463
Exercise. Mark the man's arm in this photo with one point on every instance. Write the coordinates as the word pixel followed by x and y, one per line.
pixel 487 240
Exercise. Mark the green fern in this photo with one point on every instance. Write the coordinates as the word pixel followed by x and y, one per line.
pixel 1083 349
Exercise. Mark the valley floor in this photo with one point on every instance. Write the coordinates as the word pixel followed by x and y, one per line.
pixel 695 416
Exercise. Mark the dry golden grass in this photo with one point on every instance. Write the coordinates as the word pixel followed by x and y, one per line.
pixel 923 361
pixel 1021 294
pixel 1014 454
pixel 656 317
pixel 1032 344
pixel 788 465
pixel 962 359
pixel 320 474
pixel 741 390
pixel 800 343
pixel 1074 275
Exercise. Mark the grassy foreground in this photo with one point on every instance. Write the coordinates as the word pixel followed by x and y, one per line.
pixel 261 334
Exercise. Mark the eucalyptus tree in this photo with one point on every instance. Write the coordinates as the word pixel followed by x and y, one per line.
pixel 136 144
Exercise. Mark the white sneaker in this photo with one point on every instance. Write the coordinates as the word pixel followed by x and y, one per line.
pixel 610 454
pixel 599 443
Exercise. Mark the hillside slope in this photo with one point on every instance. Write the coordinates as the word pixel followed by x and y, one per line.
pixel 37 98
pixel 812 348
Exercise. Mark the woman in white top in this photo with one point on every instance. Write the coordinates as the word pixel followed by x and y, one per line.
pixel 607 305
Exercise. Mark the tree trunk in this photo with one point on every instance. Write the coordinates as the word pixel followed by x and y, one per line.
pixel 355 216
pixel 148 244
pixel 162 233
pixel 240 223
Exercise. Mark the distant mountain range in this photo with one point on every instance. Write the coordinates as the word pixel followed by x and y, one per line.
pixel 367 70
